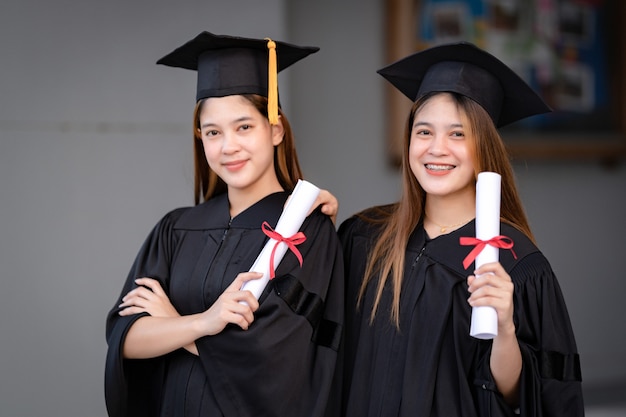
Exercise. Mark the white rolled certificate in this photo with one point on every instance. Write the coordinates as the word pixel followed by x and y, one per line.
pixel 289 223
pixel 484 323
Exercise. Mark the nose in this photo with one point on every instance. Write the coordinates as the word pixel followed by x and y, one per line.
pixel 230 143
pixel 438 145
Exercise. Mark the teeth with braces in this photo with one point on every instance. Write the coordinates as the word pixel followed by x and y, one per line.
pixel 438 167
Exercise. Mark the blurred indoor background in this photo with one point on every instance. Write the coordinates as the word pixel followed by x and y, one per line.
pixel 96 145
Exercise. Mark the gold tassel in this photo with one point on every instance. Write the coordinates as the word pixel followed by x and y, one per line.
pixel 272 84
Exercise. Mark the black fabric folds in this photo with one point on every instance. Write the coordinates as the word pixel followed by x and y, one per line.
pixel 275 368
pixel 431 366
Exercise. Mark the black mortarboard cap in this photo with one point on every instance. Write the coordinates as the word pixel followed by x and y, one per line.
pixel 465 69
pixel 229 65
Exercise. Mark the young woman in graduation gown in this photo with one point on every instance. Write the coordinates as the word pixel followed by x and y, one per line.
pixel 184 339
pixel 408 351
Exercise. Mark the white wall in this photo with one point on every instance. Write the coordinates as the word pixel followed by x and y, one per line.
pixel 577 214
pixel 95 147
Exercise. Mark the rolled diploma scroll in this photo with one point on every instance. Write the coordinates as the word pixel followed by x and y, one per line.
pixel 289 223
pixel 484 323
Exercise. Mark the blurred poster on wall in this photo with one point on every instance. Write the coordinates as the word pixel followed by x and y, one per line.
pixel 557 46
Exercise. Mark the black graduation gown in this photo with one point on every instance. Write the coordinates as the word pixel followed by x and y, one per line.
pixel 432 366
pixel 281 366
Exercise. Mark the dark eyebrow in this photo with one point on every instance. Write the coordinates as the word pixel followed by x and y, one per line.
pixel 238 120
pixel 419 123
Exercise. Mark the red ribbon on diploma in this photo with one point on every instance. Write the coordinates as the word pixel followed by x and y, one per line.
pixel 502 242
pixel 290 241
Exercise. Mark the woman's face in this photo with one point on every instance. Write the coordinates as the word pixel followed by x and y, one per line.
pixel 239 144
pixel 439 152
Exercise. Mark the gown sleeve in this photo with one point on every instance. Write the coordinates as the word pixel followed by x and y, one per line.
pixel 551 364
pixel 550 383
pixel 132 386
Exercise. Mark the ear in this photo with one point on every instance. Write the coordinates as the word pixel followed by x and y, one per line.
pixel 278 132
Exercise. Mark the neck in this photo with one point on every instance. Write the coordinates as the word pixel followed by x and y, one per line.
pixel 445 214
pixel 240 200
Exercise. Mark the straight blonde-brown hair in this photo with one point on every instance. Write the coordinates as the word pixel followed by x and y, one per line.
pixel 387 257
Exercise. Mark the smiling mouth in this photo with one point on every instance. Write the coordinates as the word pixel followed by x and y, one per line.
pixel 234 164
pixel 435 167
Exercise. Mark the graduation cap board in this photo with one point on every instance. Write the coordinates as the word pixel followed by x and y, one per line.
pixel 230 65
pixel 465 69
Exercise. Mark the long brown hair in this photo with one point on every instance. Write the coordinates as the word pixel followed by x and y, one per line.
pixel 386 259
pixel 206 182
